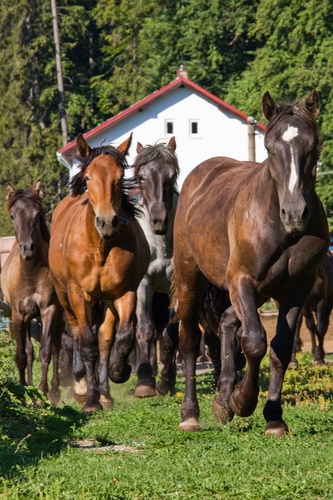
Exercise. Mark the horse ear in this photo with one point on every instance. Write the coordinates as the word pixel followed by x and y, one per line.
pixel 82 146
pixel 139 147
pixel 124 146
pixel 9 191
pixel 312 103
pixel 37 187
pixel 269 106
pixel 172 143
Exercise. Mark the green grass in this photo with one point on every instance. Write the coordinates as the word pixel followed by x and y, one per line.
pixel 135 451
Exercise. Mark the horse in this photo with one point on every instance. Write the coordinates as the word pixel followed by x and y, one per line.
pixel 98 253
pixel 28 288
pixel 156 169
pixel 256 231
pixel 316 312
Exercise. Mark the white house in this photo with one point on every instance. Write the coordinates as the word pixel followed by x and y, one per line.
pixel 204 126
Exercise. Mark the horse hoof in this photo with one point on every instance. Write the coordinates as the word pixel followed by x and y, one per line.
pixel 277 428
pixel 318 362
pixel 119 376
pixel 144 391
pixel 54 396
pixel 106 402
pixel 244 410
pixel 190 425
pixel 222 414
pixel 69 394
pixel 38 403
pixel 164 389
pixel 92 408
pixel 81 400
pixel 293 365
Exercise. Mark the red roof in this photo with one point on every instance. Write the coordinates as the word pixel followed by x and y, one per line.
pixel 178 82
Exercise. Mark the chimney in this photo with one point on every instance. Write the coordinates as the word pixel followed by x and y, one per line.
pixel 182 72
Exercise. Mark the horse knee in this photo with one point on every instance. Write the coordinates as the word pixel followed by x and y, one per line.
pixel 254 346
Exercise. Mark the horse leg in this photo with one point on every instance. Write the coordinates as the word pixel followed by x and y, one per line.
pixel 66 359
pixel 244 399
pixel 20 333
pixel 145 332
pixel 169 345
pixel 323 314
pixel 120 369
pixel 49 322
pixel 29 349
pixel 85 352
pixel 280 355
pixel 190 296
pixel 213 343
pixel 297 345
pixel 106 334
pixel 228 326
pixel 54 393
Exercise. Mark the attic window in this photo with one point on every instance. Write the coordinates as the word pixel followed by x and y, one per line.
pixel 169 127
pixel 194 128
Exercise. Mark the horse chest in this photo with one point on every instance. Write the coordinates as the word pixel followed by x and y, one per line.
pixel 107 278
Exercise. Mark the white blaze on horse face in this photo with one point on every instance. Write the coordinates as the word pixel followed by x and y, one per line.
pixel 289 134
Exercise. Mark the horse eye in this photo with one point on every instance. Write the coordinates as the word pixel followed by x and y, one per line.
pixel 12 217
pixel 86 178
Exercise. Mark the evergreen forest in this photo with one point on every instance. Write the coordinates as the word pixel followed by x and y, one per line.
pixel 116 52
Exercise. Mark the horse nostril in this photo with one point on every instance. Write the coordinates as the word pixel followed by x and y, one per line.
pixel 99 222
pixel 306 213
pixel 115 221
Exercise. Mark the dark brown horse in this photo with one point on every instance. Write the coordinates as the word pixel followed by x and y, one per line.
pixel 256 231
pixel 98 252
pixel 156 168
pixel 27 285
pixel 316 312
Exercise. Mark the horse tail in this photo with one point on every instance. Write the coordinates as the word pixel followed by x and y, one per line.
pixel 214 303
pixel 174 298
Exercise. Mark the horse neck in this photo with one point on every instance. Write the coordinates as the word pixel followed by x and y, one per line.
pixel 160 245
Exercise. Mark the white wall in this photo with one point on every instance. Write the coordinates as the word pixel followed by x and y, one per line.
pixel 220 133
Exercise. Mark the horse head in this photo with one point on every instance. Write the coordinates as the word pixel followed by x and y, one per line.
pixel 157 170
pixel 101 174
pixel 26 209
pixel 293 145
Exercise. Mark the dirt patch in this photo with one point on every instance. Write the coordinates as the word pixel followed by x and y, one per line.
pixel 269 323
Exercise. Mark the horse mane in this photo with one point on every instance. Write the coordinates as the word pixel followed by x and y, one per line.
pixel 30 194
pixel 295 108
pixel 78 185
pixel 158 151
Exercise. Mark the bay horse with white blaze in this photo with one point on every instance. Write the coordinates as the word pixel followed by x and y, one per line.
pixel 156 168
pixel 98 253
pixel 256 231
pixel 27 285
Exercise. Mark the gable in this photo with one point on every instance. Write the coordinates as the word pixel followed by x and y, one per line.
pixel 219 129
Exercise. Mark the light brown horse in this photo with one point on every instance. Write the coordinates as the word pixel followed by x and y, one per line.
pixel 98 252
pixel 255 231
pixel 27 285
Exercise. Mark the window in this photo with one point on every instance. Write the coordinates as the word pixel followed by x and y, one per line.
pixel 194 128
pixel 169 127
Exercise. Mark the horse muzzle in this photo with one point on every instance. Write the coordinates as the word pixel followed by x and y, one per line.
pixel 295 223
pixel 27 250
pixel 107 227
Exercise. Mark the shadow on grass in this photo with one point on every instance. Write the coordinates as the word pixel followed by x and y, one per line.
pixel 28 433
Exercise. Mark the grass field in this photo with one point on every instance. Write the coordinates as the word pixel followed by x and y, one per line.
pixel 135 451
